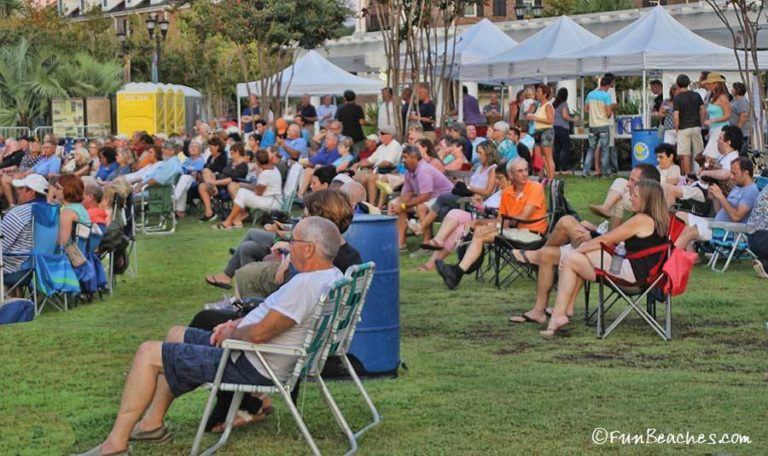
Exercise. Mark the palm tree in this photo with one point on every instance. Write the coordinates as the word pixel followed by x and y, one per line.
pixel 84 76
pixel 9 7
pixel 27 81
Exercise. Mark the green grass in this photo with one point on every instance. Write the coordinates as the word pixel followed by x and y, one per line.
pixel 474 385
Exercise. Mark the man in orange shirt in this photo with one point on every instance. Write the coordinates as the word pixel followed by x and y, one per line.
pixel 523 200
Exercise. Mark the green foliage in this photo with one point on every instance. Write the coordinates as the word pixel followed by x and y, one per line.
pixel 560 7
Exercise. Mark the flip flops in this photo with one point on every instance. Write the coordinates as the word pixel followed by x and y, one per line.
pixel 431 245
pixel 210 280
pixel 525 319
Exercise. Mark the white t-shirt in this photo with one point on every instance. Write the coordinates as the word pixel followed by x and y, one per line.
pixel 666 174
pixel 296 300
pixel 726 160
pixel 270 178
pixel 386 116
pixel 389 153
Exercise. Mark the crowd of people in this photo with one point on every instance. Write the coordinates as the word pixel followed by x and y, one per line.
pixel 479 180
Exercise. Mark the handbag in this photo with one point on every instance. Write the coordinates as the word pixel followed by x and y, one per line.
pixel 75 256
pixel 677 269
pixel 461 189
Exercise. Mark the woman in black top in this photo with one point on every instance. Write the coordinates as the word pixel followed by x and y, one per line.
pixel 216 175
pixel 646 229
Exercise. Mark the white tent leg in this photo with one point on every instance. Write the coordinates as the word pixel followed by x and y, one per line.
pixel 460 101
pixel 501 102
pixel 646 124
pixel 239 115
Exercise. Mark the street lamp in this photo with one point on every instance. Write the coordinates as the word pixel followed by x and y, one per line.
pixel 122 38
pixel 151 24
pixel 523 9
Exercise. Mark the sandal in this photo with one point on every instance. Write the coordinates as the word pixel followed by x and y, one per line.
pixel 432 245
pixel 243 418
pixel 221 226
pixel 159 435
pixel 424 268
pixel 524 318
pixel 211 280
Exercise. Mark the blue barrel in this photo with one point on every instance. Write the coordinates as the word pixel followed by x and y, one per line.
pixel 637 123
pixel 377 341
pixel 644 144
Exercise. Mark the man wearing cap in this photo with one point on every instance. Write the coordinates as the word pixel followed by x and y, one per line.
pixel 383 161
pixel 293 147
pixel 371 143
pixel 16 226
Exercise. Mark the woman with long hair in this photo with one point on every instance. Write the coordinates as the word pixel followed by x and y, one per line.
pixel 718 111
pixel 646 229
pixel 543 122
pixel 562 128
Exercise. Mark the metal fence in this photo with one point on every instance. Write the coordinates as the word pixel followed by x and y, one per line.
pixel 14 132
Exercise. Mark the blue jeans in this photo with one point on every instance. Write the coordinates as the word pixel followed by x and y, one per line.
pixel 602 136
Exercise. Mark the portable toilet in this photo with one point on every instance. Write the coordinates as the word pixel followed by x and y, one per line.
pixel 193 108
pixel 169 100
pixel 178 109
pixel 140 108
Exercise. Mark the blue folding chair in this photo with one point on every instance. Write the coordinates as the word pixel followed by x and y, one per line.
pixel 48 272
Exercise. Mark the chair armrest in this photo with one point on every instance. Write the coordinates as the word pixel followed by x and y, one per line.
pixel 242 345
pixel 518 220
pixel 733 227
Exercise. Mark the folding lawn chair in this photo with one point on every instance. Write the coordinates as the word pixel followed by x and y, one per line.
pixel 157 210
pixel 310 361
pixel 360 277
pixel 506 268
pixel 48 274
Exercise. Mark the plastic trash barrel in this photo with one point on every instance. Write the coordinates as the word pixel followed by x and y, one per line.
pixel 376 344
pixel 644 144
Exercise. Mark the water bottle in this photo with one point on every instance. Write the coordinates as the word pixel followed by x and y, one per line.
pixel 617 259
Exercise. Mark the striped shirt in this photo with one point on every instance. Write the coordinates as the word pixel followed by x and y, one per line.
pixel 17 236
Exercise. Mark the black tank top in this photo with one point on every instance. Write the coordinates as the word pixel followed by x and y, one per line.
pixel 641 267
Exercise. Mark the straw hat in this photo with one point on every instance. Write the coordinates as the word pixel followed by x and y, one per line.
pixel 713 78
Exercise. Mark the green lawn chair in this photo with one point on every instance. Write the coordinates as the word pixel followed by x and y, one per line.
pixel 310 362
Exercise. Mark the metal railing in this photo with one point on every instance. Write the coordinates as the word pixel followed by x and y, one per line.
pixel 14 132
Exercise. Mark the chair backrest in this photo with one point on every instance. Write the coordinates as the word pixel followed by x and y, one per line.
pixel 321 331
pixel 761 182
pixel 45 227
pixel 291 186
pixel 360 277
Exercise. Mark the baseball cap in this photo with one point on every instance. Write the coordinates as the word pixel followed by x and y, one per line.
pixel 281 125
pixel 372 137
pixel 35 182
pixel 387 129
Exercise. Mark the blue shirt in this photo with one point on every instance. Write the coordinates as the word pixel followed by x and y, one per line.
pixel 248 126
pixel 105 172
pixel 324 156
pixel 340 160
pixel 507 150
pixel 739 196
pixel 193 165
pixel 165 171
pixel 47 166
pixel 268 138
pixel 298 144
pixel 529 142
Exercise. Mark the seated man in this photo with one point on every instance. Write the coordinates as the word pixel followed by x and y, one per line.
pixel 423 185
pixel 757 226
pixel 266 196
pixel 16 225
pixel 383 161
pixel 718 169
pixel 617 199
pixel 733 208
pixel 189 357
pixel 524 199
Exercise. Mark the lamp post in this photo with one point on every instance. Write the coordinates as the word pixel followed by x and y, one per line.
pixel 523 9
pixel 151 23
pixel 122 38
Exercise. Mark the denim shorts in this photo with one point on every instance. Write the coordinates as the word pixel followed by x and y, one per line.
pixel 545 138
pixel 193 363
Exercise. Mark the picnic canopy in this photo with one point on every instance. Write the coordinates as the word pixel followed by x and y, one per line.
pixel 530 61
pixel 479 42
pixel 314 74
pixel 656 41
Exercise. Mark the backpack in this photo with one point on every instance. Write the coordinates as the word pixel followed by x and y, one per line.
pixel 16 311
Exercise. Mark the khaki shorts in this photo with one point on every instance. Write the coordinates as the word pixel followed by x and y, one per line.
pixel 515 234
pixel 257 279
pixel 689 141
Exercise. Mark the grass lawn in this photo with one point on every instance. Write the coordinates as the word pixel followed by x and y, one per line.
pixel 474 383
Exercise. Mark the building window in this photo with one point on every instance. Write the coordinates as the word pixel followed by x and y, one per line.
pixel 500 8
pixel 470 10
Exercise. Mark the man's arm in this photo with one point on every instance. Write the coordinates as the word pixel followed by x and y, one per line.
pixel 735 213
pixel 525 214
pixel 676 119
pixel 273 324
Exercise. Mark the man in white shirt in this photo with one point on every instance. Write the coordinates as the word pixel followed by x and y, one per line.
pixel 383 161
pixel 326 111
pixel 189 357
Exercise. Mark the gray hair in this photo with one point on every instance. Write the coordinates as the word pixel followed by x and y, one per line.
pixel 501 126
pixel 515 161
pixel 323 233
pixel 355 191
pixel 460 127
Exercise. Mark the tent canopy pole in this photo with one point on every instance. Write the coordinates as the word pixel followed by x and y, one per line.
pixel 646 124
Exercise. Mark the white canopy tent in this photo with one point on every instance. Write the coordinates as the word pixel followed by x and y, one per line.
pixel 313 74
pixel 477 43
pixel 530 61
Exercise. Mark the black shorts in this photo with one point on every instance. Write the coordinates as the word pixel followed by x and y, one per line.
pixel 193 363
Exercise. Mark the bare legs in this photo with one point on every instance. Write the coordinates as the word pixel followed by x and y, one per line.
pixel 145 389
pixel 236 216
pixel 306 180
pixel 575 269
pixel 549 162
pixel 483 235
